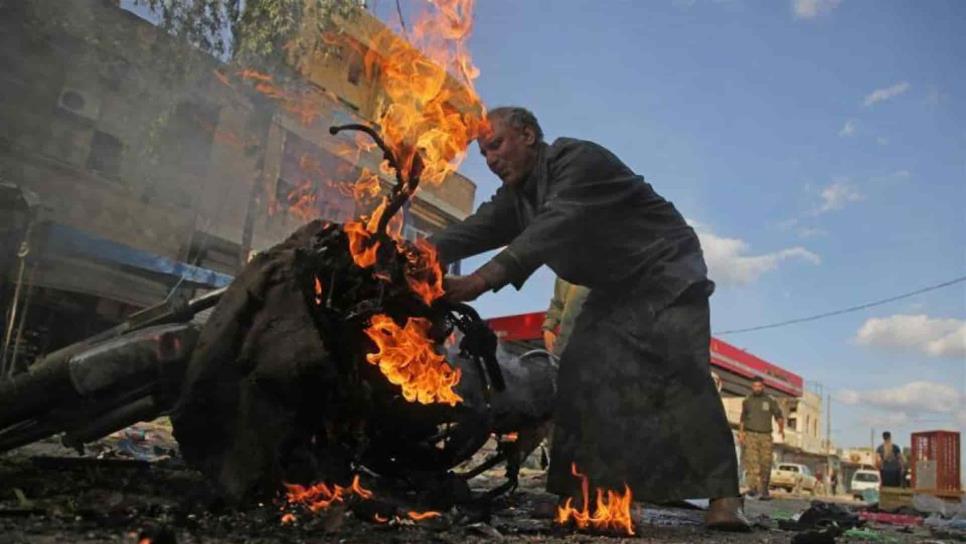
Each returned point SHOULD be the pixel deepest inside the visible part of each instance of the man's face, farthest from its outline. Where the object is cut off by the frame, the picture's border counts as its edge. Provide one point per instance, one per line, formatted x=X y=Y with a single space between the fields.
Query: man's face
x=510 y=152
x=757 y=388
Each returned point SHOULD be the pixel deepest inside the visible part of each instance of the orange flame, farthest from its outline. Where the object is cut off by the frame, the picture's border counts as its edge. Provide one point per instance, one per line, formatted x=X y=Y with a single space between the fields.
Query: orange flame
x=425 y=275
x=320 y=496
x=420 y=516
x=318 y=292
x=427 y=81
x=221 y=78
x=302 y=201
x=433 y=107
x=287 y=518
x=610 y=514
x=308 y=105
x=363 y=252
x=367 y=186
x=406 y=358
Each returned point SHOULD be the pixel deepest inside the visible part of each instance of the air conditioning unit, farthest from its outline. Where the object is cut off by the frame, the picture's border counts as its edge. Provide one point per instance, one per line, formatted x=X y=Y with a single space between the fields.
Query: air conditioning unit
x=79 y=103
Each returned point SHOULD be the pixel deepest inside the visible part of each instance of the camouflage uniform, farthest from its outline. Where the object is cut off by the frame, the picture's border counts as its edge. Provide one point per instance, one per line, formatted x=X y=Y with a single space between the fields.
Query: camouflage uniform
x=756 y=458
x=757 y=412
x=565 y=306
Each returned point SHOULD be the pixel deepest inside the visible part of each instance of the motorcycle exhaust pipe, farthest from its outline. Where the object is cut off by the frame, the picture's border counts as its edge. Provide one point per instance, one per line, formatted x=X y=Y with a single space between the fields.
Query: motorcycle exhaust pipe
x=142 y=409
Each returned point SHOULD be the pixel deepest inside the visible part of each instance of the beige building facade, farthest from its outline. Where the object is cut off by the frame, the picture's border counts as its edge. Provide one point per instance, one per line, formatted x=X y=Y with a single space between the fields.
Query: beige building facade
x=144 y=185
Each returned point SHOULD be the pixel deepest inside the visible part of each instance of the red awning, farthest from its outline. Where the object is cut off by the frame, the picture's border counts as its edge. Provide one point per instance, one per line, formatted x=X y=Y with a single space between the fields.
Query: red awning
x=527 y=327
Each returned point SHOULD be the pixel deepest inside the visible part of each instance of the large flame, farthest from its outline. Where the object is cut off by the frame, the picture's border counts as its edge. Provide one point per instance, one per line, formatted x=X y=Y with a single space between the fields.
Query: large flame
x=612 y=510
x=406 y=357
x=431 y=110
x=433 y=106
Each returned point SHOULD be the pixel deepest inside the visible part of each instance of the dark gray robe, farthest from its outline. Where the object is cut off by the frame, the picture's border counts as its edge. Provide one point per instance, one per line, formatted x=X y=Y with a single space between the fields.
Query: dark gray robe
x=636 y=401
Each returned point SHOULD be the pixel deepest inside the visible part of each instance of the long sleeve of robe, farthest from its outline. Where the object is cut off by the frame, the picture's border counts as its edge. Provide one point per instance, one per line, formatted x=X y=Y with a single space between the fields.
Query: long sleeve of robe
x=594 y=222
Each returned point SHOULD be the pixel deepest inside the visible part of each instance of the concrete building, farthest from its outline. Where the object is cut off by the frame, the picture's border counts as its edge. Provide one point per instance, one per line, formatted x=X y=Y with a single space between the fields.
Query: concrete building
x=148 y=183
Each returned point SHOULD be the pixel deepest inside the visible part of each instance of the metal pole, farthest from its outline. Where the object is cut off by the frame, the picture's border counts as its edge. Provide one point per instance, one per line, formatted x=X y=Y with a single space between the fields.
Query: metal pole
x=23 y=319
x=828 y=438
x=12 y=316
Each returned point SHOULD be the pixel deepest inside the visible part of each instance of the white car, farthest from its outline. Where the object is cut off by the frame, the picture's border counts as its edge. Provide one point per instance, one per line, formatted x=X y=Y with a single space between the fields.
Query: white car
x=793 y=477
x=863 y=480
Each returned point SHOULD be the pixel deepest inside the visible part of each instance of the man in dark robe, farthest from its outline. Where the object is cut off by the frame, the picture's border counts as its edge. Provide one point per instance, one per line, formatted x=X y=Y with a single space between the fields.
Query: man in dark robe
x=636 y=403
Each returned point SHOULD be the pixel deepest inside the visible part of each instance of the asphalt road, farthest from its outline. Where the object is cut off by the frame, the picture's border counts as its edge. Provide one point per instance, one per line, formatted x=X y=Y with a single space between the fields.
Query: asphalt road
x=51 y=494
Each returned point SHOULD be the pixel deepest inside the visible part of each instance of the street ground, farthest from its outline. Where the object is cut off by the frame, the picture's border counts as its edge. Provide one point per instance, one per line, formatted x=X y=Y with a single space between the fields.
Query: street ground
x=51 y=494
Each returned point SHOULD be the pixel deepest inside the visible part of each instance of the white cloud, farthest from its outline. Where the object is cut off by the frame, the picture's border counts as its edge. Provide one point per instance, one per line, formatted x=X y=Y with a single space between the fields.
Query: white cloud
x=811 y=232
x=882 y=140
x=912 y=398
x=730 y=264
x=934 y=337
x=837 y=195
x=848 y=128
x=886 y=93
x=887 y=420
x=809 y=9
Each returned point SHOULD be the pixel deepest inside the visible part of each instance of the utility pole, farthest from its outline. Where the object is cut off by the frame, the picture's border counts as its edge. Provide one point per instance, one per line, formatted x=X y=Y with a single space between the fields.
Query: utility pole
x=828 y=439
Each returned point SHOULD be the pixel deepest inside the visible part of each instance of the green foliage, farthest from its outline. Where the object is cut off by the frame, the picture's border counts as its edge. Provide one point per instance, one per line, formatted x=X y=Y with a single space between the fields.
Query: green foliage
x=260 y=34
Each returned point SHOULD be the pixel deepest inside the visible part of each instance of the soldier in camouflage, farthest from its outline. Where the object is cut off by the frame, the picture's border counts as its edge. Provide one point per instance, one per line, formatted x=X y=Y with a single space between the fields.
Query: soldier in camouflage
x=757 y=411
x=564 y=308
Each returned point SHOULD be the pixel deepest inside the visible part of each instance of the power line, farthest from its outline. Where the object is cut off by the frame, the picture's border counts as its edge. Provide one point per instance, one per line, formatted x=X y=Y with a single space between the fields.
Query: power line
x=402 y=22
x=846 y=310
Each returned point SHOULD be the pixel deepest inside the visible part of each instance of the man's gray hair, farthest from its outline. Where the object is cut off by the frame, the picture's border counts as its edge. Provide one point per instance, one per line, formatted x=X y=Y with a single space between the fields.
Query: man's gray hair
x=517 y=117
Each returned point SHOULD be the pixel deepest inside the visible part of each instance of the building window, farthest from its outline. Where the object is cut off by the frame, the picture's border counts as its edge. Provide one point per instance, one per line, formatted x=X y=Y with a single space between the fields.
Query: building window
x=352 y=57
x=355 y=71
x=189 y=135
x=105 y=154
x=312 y=176
x=212 y=252
x=411 y=233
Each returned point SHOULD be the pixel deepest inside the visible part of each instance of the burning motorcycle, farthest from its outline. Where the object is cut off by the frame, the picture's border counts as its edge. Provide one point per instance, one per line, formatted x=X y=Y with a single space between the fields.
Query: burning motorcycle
x=330 y=354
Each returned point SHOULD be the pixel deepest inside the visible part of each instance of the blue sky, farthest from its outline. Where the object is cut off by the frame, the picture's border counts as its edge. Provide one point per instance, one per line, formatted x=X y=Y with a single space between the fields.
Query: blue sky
x=819 y=147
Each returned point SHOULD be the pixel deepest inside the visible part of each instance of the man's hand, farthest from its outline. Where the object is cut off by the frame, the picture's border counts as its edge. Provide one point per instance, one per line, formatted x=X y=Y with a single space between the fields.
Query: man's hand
x=741 y=438
x=464 y=288
x=549 y=339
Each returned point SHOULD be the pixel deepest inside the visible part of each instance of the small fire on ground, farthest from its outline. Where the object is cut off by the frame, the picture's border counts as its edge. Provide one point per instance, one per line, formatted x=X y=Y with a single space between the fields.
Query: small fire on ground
x=321 y=496
x=612 y=510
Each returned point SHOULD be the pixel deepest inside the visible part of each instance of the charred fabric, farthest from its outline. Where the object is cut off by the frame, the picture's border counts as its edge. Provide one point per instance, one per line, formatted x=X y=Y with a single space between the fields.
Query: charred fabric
x=312 y=367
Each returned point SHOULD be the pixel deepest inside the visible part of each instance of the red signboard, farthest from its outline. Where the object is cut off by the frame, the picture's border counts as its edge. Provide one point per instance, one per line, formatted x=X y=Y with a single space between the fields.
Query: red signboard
x=726 y=356
x=527 y=327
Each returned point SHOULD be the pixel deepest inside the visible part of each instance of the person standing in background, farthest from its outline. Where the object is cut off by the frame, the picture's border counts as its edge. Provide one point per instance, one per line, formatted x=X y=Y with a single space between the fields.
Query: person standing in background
x=565 y=305
x=889 y=462
x=757 y=411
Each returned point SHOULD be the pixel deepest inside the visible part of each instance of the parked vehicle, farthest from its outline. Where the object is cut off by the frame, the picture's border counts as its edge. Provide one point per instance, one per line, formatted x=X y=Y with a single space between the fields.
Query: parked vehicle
x=864 y=480
x=793 y=477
